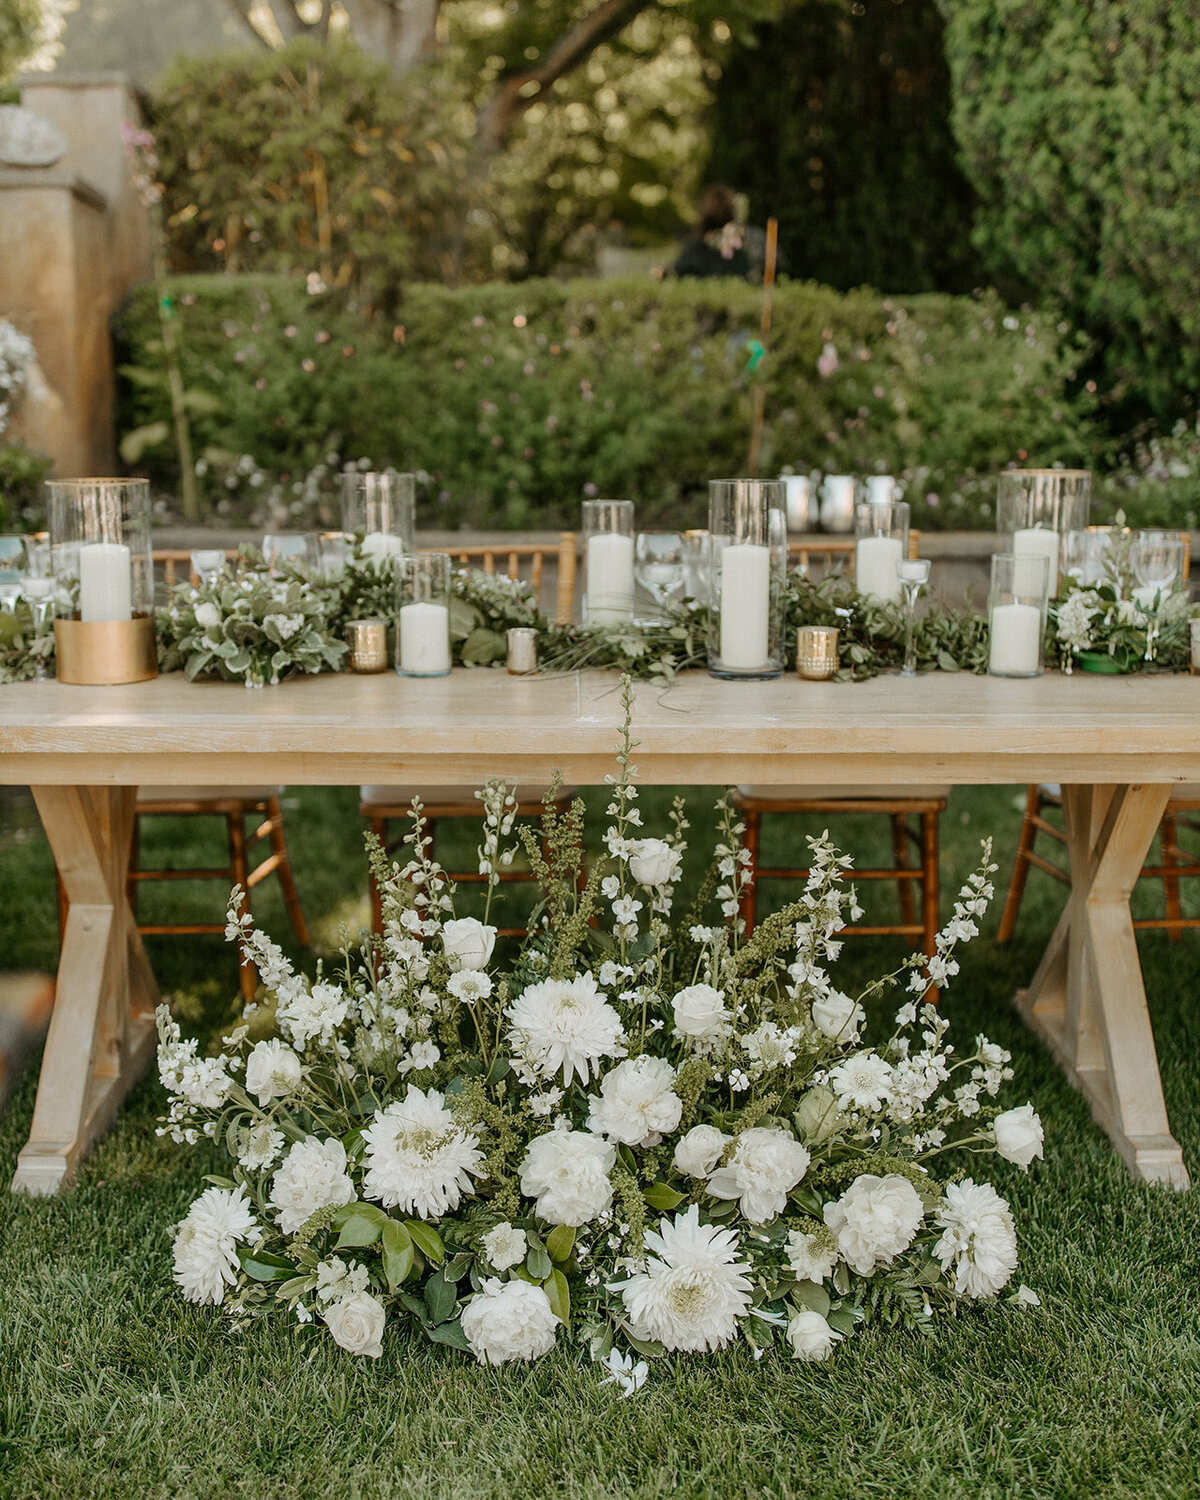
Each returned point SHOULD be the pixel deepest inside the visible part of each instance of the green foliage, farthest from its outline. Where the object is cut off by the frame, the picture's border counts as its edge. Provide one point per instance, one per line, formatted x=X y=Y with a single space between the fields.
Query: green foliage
x=20 y=32
x=21 y=475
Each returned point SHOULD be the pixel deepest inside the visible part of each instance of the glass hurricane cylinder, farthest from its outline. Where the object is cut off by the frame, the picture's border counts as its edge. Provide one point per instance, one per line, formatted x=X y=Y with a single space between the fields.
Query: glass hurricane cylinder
x=1036 y=508
x=1017 y=614
x=607 y=562
x=423 y=614
x=380 y=510
x=747 y=573
x=881 y=541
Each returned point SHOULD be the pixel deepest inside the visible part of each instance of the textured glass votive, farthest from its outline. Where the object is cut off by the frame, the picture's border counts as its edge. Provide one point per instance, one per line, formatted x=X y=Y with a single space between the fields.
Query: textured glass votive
x=423 y=620
x=816 y=652
x=522 y=650
x=747 y=576
x=367 y=640
x=1017 y=614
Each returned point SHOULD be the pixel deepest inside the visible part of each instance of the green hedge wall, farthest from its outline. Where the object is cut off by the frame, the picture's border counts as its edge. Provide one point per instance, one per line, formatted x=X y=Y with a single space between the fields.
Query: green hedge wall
x=516 y=401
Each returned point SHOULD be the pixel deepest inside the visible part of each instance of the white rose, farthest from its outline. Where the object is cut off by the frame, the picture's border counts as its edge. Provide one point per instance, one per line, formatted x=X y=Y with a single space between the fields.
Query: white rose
x=699 y=1151
x=1019 y=1135
x=700 y=1012
x=208 y=616
x=567 y=1172
x=838 y=1017
x=809 y=1257
x=273 y=1071
x=505 y=1246
x=875 y=1219
x=509 y=1320
x=767 y=1163
x=468 y=943
x=357 y=1324
x=653 y=862
x=811 y=1336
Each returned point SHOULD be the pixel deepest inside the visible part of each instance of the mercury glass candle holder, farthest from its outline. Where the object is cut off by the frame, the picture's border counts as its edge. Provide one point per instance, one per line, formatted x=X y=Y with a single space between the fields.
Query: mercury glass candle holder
x=1036 y=508
x=816 y=652
x=380 y=510
x=747 y=577
x=1017 y=614
x=522 y=643
x=367 y=640
x=881 y=541
x=607 y=562
x=423 y=614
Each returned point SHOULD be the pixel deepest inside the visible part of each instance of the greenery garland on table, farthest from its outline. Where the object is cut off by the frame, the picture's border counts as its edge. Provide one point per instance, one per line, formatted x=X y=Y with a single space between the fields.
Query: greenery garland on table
x=21 y=648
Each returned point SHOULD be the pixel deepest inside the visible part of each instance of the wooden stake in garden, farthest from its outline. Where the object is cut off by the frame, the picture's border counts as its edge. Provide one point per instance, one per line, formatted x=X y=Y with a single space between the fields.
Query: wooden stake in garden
x=764 y=334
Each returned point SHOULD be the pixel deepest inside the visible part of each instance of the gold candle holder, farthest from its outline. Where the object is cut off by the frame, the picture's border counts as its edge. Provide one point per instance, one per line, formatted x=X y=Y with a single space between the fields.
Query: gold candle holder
x=522 y=651
x=368 y=645
x=102 y=653
x=816 y=652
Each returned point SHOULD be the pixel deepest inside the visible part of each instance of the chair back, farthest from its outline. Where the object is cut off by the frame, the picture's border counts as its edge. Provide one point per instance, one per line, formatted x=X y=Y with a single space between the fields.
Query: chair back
x=527 y=560
x=829 y=552
x=172 y=565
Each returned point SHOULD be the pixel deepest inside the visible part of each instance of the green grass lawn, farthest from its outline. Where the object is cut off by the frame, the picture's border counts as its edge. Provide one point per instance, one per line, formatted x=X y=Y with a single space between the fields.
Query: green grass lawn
x=110 y=1385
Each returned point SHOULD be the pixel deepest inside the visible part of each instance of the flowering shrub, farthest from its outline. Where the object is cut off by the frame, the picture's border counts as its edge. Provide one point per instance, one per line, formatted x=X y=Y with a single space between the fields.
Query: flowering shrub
x=647 y=1135
x=16 y=356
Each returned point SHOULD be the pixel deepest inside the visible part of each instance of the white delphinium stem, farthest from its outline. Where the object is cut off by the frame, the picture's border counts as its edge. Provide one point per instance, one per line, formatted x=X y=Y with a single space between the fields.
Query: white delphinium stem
x=733 y=865
x=499 y=814
x=616 y=838
x=970 y=904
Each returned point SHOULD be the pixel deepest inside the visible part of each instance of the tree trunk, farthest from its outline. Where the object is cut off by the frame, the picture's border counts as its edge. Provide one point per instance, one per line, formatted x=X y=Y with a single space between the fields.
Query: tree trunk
x=402 y=32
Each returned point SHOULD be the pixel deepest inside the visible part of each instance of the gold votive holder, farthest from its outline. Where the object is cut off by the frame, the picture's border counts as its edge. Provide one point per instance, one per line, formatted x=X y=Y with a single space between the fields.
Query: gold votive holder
x=367 y=640
x=103 y=653
x=816 y=652
x=522 y=650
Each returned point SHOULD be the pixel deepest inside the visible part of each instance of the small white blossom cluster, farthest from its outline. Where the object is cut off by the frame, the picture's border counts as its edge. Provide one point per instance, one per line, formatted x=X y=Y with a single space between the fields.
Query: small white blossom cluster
x=16 y=357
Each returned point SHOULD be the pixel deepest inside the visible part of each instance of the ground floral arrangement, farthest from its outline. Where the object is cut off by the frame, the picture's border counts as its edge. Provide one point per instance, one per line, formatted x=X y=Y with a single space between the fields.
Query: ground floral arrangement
x=646 y=1135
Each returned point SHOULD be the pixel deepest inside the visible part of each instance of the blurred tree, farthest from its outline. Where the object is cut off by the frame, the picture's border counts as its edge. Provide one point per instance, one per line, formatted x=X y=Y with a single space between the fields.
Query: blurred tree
x=29 y=33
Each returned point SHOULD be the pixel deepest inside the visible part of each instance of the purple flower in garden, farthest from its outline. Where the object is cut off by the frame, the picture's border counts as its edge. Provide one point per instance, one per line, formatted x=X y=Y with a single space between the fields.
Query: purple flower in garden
x=290 y=331
x=590 y=490
x=827 y=361
x=933 y=501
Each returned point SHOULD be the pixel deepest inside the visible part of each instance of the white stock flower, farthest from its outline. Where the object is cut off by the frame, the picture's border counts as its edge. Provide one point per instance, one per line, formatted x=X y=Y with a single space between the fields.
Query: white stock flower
x=700 y=1013
x=509 y=1320
x=356 y=1324
x=566 y=1171
x=766 y=1164
x=1019 y=1135
x=468 y=943
x=206 y=1243
x=875 y=1220
x=838 y=1017
x=273 y=1071
x=337 y=1281
x=305 y=1014
x=978 y=1236
x=565 y=1025
x=418 y=1157
x=698 y=1152
x=505 y=1246
x=809 y=1254
x=810 y=1335
x=313 y=1176
x=635 y=1104
x=694 y=1288
x=863 y=1081
x=653 y=862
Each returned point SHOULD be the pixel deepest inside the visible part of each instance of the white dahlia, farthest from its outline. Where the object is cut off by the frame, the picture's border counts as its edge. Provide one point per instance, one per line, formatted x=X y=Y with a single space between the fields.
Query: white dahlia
x=566 y=1171
x=864 y=1081
x=875 y=1220
x=766 y=1164
x=509 y=1320
x=313 y=1175
x=565 y=1025
x=694 y=1288
x=419 y=1158
x=206 y=1243
x=978 y=1236
x=699 y=1151
x=635 y=1104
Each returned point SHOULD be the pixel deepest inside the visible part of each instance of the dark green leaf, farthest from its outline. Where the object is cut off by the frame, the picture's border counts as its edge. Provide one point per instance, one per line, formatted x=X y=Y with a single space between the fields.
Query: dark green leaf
x=428 y=1241
x=261 y=1265
x=440 y=1297
x=659 y=1195
x=560 y=1242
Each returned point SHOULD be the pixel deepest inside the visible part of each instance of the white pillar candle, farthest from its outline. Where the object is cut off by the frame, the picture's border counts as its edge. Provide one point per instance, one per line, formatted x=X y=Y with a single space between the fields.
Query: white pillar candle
x=1039 y=541
x=104 y=582
x=379 y=544
x=1015 y=649
x=609 y=578
x=745 y=606
x=425 y=639
x=875 y=559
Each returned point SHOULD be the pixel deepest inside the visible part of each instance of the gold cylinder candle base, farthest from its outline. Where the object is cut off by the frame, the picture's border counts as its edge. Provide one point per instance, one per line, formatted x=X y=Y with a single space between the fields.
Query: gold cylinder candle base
x=102 y=653
x=816 y=652
x=367 y=640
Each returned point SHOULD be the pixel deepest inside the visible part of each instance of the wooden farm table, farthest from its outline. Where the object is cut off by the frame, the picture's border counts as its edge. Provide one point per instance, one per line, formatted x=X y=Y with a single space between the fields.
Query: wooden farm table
x=1115 y=745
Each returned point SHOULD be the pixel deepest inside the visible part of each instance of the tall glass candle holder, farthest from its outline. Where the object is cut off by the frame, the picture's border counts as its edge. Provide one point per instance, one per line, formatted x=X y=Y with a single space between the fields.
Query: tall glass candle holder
x=879 y=489
x=1036 y=508
x=1017 y=614
x=101 y=553
x=423 y=614
x=746 y=523
x=380 y=510
x=607 y=561
x=881 y=541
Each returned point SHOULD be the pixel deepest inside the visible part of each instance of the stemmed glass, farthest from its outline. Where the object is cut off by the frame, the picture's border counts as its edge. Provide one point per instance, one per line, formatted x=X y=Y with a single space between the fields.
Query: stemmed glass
x=1157 y=564
x=38 y=593
x=207 y=563
x=913 y=573
x=658 y=564
x=295 y=547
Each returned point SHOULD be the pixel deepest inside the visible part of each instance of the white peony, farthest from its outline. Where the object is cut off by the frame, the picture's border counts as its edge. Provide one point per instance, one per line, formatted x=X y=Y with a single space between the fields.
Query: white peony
x=205 y=1248
x=509 y=1320
x=653 y=862
x=357 y=1324
x=636 y=1105
x=208 y=616
x=838 y=1017
x=700 y=1149
x=1019 y=1135
x=313 y=1175
x=810 y=1335
x=567 y=1172
x=978 y=1236
x=565 y=1025
x=766 y=1164
x=418 y=1157
x=809 y=1255
x=700 y=1013
x=505 y=1247
x=694 y=1288
x=864 y=1081
x=468 y=943
x=875 y=1220
x=273 y=1071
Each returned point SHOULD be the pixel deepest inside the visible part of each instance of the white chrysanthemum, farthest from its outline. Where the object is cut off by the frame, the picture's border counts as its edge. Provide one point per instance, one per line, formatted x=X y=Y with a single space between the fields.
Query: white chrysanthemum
x=863 y=1081
x=875 y=1220
x=567 y=1172
x=313 y=1176
x=810 y=1335
x=565 y=1025
x=766 y=1164
x=509 y=1320
x=419 y=1158
x=206 y=1242
x=810 y=1254
x=505 y=1246
x=699 y=1151
x=978 y=1236
x=694 y=1288
x=305 y=1014
x=273 y=1071
x=838 y=1017
x=635 y=1104
x=700 y=1013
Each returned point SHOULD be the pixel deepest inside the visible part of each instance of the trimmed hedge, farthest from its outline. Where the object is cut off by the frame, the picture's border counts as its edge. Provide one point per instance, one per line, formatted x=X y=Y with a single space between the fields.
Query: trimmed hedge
x=519 y=400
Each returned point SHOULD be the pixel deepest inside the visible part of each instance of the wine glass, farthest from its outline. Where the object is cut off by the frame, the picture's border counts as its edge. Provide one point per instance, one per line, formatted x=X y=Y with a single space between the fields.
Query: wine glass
x=658 y=565
x=38 y=593
x=1157 y=562
x=207 y=563
x=913 y=573
x=282 y=547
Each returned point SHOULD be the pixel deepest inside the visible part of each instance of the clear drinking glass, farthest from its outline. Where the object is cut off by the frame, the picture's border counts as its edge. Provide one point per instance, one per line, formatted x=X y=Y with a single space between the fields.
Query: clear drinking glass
x=1157 y=561
x=333 y=550
x=1035 y=510
x=913 y=573
x=695 y=564
x=381 y=510
x=746 y=526
x=100 y=548
x=881 y=541
x=280 y=547
x=1017 y=608
x=658 y=565
x=607 y=561
x=423 y=617
x=12 y=558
